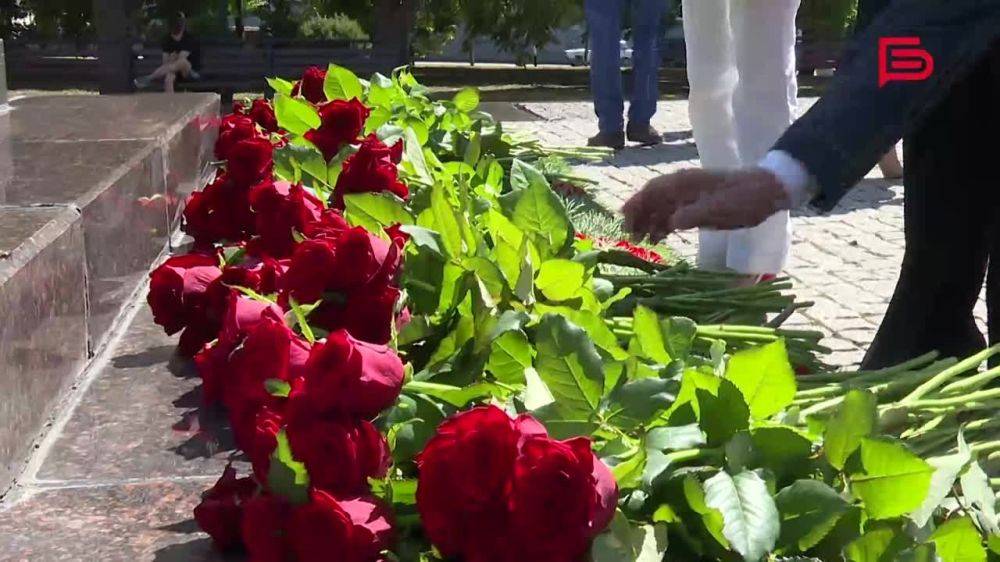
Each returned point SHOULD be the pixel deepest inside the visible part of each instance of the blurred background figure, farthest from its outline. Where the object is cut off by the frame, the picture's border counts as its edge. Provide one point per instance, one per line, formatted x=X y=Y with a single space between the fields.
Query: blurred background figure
x=741 y=68
x=181 y=57
x=604 y=23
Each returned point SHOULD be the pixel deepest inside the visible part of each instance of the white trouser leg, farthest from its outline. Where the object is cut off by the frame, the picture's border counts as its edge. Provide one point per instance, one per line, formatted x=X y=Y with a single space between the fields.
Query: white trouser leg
x=711 y=69
x=763 y=107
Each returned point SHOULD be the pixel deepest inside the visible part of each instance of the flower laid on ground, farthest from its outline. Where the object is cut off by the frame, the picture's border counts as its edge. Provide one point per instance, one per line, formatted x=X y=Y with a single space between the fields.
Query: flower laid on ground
x=496 y=488
x=640 y=252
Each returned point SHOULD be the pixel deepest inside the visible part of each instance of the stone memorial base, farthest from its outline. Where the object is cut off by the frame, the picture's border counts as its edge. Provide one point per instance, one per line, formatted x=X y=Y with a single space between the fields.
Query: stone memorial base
x=90 y=190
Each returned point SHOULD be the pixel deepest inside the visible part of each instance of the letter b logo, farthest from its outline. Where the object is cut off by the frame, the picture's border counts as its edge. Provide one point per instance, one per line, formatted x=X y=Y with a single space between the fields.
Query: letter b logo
x=902 y=59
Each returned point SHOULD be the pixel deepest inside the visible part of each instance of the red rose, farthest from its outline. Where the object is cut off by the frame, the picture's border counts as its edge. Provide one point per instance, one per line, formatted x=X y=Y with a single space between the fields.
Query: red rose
x=265 y=529
x=281 y=209
x=219 y=212
x=357 y=266
x=233 y=128
x=184 y=294
x=561 y=497
x=495 y=488
x=311 y=85
x=341 y=122
x=371 y=169
x=324 y=528
x=348 y=376
x=221 y=363
x=220 y=512
x=256 y=433
x=270 y=350
x=340 y=454
x=353 y=530
x=250 y=161
x=331 y=224
x=260 y=274
x=262 y=113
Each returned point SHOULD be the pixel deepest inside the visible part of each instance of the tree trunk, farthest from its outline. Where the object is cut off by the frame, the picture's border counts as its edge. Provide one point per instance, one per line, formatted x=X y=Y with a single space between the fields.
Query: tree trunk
x=393 y=28
x=113 y=50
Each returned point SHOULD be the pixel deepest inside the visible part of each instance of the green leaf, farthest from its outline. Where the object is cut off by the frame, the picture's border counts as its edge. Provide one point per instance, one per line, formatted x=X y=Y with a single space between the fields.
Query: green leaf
x=509 y=357
x=523 y=176
x=277 y=387
x=454 y=395
x=782 y=450
x=467 y=99
x=893 y=482
x=723 y=413
x=281 y=86
x=286 y=476
x=445 y=221
x=765 y=377
x=946 y=471
x=855 y=419
x=294 y=115
x=749 y=514
x=539 y=212
x=648 y=334
x=711 y=518
x=642 y=399
x=881 y=544
x=675 y=438
x=374 y=211
x=679 y=333
x=425 y=238
x=958 y=540
x=341 y=84
x=570 y=366
x=624 y=541
x=809 y=510
x=414 y=160
x=300 y=312
x=628 y=474
x=560 y=280
x=976 y=490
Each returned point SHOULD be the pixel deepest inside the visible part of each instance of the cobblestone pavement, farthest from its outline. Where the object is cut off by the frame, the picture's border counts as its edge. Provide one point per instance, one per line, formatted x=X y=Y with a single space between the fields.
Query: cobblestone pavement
x=846 y=261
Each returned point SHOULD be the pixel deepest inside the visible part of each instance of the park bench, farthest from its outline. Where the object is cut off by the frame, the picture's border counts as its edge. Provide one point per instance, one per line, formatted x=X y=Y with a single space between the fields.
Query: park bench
x=228 y=66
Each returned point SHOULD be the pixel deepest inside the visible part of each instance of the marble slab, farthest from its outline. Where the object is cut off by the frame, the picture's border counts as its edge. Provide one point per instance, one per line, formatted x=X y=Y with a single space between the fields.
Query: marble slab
x=43 y=336
x=141 y=419
x=127 y=523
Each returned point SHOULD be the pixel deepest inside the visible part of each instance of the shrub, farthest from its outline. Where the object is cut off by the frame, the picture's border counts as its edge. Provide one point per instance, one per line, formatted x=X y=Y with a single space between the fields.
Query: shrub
x=337 y=26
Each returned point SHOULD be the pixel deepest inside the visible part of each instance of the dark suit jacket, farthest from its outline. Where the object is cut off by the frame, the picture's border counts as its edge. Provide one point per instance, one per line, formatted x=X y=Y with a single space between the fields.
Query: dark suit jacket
x=841 y=137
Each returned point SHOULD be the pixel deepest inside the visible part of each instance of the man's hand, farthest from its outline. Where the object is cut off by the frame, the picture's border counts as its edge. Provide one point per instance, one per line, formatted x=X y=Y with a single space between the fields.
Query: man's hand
x=704 y=198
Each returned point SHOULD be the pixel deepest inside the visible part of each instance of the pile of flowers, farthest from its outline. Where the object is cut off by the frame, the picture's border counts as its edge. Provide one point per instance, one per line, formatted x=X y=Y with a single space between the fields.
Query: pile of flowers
x=290 y=313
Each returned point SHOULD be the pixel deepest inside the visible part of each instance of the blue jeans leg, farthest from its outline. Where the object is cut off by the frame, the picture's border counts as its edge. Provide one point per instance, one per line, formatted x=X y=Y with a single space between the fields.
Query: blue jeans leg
x=604 y=21
x=647 y=16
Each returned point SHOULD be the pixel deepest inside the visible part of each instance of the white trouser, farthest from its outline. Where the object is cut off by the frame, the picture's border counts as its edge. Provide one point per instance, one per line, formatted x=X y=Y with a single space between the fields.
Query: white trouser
x=741 y=67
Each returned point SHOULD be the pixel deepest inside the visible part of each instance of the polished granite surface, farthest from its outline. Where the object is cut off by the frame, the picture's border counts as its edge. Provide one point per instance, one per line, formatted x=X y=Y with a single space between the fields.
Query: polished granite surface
x=43 y=336
x=90 y=188
x=120 y=481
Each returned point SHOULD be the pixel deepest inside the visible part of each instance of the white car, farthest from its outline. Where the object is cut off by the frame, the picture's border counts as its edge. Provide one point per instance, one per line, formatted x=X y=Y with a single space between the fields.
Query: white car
x=581 y=56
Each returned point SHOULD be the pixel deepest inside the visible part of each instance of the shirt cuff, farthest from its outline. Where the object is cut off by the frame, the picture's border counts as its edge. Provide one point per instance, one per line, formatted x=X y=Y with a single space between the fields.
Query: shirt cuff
x=793 y=175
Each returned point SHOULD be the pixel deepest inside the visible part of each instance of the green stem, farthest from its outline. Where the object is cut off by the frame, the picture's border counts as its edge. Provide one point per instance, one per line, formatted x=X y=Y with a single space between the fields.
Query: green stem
x=944 y=376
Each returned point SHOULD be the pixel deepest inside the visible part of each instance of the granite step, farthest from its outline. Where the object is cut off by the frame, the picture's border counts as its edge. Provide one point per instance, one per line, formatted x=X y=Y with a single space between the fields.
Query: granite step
x=90 y=190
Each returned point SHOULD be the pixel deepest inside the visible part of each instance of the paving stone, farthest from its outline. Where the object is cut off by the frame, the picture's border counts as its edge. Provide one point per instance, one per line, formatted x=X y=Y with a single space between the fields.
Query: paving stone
x=858 y=244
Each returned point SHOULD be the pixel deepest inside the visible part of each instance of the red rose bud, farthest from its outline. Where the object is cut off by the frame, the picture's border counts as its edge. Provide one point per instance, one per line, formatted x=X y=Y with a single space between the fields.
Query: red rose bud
x=262 y=113
x=341 y=122
x=495 y=488
x=340 y=454
x=184 y=294
x=256 y=433
x=371 y=169
x=219 y=212
x=281 y=209
x=354 y=529
x=220 y=513
x=233 y=128
x=311 y=85
x=331 y=224
x=348 y=376
x=250 y=161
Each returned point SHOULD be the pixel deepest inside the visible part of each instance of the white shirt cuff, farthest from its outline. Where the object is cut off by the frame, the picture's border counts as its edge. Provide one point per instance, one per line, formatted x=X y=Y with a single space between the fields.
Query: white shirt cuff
x=792 y=174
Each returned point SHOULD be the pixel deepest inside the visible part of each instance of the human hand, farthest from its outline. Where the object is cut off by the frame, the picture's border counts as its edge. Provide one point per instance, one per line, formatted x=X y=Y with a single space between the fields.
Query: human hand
x=704 y=198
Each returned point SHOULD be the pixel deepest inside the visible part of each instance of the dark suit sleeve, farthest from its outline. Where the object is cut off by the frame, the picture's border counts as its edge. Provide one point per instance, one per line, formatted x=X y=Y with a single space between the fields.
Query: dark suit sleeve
x=845 y=133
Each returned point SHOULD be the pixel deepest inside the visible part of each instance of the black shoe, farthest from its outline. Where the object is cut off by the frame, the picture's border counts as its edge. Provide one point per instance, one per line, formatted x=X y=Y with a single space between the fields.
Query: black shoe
x=610 y=140
x=643 y=134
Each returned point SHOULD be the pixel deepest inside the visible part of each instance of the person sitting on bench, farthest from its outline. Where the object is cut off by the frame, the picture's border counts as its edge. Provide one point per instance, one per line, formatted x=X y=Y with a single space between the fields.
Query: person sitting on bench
x=181 y=57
